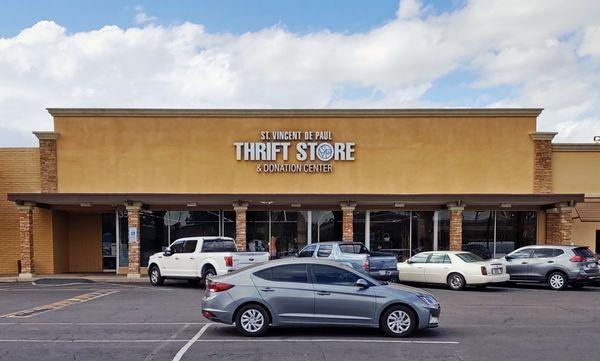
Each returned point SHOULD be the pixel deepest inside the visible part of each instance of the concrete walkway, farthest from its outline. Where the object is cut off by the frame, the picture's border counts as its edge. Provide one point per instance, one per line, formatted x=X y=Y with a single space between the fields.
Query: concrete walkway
x=77 y=277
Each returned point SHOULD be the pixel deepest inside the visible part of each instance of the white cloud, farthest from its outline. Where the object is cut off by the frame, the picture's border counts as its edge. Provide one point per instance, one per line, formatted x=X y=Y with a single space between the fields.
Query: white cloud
x=141 y=17
x=547 y=52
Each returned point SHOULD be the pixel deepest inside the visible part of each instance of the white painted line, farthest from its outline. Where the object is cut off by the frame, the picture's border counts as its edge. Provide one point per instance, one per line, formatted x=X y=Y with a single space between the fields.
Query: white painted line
x=185 y=347
x=103 y=323
x=195 y=339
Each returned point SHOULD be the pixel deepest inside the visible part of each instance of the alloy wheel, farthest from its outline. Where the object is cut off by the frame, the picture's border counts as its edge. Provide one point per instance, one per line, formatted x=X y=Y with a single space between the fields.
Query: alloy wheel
x=252 y=320
x=154 y=276
x=398 y=321
x=557 y=281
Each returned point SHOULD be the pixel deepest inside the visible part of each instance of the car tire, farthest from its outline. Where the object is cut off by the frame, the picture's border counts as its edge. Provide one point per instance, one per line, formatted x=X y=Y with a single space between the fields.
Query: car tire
x=155 y=277
x=252 y=320
x=208 y=271
x=456 y=281
x=557 y=281
x=399 y=321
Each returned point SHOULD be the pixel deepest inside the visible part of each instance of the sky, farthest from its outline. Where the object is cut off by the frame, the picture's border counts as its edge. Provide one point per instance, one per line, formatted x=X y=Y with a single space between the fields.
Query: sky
x=300 y=54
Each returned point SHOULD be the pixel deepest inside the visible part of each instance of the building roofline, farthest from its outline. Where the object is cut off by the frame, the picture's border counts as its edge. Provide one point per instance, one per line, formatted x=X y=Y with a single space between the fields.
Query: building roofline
x=576 y=147
x=303 y=113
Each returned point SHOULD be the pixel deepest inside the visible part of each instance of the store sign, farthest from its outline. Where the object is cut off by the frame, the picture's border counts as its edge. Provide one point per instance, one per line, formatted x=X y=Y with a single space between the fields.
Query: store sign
x=295 y=152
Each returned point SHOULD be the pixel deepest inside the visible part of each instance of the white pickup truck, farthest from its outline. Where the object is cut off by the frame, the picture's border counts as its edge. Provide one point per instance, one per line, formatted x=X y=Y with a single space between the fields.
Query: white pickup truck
x=196 y=258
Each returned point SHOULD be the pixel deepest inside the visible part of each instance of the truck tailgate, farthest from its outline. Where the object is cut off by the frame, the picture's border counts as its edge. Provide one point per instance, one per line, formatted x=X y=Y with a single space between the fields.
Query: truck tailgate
x=382 y=263
x=243 y=259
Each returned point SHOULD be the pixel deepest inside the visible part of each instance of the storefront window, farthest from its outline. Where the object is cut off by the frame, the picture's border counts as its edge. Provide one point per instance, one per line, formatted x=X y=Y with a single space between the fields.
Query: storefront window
x=109 y=243
x=123 y=239
x=443 y=234
x=193 y=224
x=153 y=234
x=478 y=233
x=422 y=231
x=228 y=219
x=515 y=230
x=257 y=231
x=288 y=231
x=326 y=226
x=390 y=230
x=359 y=226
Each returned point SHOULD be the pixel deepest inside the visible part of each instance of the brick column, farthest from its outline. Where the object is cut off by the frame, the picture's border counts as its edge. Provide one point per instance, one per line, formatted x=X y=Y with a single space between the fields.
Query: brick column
x=240 y=225
x=559 y=225
x=26 y=239
x=348 y=222
x=133 y=234
x=48 y=164
x=456 y=227
x=542 y=161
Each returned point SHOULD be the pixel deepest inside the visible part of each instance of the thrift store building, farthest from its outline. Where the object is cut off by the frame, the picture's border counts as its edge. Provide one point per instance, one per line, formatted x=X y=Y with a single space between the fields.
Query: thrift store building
x=106 y=188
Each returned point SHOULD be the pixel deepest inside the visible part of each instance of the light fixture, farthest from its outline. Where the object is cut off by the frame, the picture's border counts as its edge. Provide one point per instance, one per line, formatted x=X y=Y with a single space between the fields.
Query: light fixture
x=266 y=202
x=296 y=205
x=399 y=205
x=192 y=204
x=85 y=204
x=505 y=205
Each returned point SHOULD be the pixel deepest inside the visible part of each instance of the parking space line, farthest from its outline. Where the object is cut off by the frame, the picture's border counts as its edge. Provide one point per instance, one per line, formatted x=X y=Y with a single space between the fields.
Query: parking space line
x=335 y=340
x=104 y=323
x=34 y=311
x=185 y=347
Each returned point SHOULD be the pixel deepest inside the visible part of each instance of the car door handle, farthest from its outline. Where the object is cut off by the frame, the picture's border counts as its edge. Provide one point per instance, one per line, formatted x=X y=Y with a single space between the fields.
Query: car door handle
x=176 y=258
x=268 y=289
x=550 y=262
x=323 y=293
x=191 y=257
x=523 y=262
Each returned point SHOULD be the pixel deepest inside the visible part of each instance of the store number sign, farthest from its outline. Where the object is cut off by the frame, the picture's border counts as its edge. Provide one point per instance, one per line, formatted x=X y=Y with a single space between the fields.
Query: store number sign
x=293 y=151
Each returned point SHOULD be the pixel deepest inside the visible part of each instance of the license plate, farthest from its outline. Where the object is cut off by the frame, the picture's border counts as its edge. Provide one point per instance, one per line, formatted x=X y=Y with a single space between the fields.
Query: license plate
x=383 y=273
x=497 y=271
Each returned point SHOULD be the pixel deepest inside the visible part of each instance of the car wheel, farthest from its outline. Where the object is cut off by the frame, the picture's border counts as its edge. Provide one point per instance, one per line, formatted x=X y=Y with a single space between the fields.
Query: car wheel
x=252 y=320
x=155 y=278
x=399 y=321
x=456 y=282
x=208 y=272
x=557 y=281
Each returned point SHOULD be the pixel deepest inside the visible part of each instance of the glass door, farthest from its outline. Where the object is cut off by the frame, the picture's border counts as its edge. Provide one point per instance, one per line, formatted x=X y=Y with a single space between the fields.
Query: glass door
x=109 y=243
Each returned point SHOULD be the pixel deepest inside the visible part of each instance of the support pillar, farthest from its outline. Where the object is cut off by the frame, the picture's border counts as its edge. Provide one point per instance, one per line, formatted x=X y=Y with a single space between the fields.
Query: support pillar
x=240 y=225
x=48 y=164
x=347 y=222
x=559 y=225
x=26 y=240
x=133 y=232
x=456 y=219
x=542 y=161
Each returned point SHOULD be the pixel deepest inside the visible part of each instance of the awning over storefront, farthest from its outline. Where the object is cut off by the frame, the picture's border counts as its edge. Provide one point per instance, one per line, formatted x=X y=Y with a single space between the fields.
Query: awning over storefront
x=57 y=200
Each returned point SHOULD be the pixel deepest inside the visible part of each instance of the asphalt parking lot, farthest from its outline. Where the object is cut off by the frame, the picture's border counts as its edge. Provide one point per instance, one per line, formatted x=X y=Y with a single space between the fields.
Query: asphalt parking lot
x=74 y=320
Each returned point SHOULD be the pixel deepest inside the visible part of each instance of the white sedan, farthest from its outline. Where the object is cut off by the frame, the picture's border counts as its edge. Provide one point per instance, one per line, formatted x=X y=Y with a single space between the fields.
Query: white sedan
x=454 y=268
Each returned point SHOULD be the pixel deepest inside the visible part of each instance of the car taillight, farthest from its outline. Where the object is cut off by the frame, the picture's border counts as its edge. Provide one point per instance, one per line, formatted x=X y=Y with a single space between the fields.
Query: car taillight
x=208 y=314
x=483 y=270
x=577 y=259
x=365 y=265
x=228 y=261
x=219 y=286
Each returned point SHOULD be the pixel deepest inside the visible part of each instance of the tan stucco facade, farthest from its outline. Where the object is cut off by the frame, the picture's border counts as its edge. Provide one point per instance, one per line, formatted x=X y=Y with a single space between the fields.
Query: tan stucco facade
x=393 y=155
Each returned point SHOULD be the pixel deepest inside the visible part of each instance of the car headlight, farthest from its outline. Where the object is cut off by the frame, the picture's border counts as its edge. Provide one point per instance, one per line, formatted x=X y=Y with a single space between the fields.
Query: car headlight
x=429 y=301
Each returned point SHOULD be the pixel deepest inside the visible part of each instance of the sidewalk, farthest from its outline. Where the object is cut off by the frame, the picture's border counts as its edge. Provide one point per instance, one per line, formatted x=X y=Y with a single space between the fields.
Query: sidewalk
x=91 y=277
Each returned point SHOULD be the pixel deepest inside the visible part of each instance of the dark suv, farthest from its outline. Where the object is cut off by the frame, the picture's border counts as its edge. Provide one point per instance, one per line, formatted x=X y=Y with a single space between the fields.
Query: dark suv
x=556 y=265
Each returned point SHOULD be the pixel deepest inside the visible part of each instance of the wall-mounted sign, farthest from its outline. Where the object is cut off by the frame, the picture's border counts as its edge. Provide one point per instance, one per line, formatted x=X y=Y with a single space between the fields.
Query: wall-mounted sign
x=292 y=151
x=133 y=233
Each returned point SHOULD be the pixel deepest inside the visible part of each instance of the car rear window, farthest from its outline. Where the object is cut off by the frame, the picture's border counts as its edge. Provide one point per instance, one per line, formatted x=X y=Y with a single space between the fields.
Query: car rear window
x=324 y=251
x=218 y=245
x=583 y=252
x=469 y=257
x=355 y=248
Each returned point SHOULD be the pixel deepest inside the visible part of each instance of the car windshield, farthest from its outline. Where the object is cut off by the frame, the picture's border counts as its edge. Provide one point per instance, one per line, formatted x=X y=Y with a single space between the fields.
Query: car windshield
x=469 y=257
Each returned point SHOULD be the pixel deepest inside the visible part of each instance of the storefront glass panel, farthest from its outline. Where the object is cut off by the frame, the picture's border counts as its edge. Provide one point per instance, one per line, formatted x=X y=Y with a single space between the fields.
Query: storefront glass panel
x=326 y=226
x=422 y=231
x=359 y=226
x=443 y=233
x=257 y=231
x=193 y=224
x=123 y=239
x=515 y=230
x=228 y=222
x=390 y=230
x=153 y=234
x=109 y=242
x=478 y=233
x=288 y=232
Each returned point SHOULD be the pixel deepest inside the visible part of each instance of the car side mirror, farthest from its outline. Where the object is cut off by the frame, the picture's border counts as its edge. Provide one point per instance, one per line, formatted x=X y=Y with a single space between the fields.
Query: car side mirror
x=408 y=261
x=167 y=252
x=296 y=254
x=361 y=283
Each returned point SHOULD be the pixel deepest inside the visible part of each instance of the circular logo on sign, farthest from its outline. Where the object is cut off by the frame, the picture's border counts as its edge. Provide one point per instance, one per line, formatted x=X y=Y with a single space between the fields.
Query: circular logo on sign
x=325 y=152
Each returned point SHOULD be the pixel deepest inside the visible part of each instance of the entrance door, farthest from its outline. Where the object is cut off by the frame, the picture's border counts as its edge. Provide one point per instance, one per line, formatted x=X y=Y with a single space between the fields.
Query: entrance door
x=109 y=243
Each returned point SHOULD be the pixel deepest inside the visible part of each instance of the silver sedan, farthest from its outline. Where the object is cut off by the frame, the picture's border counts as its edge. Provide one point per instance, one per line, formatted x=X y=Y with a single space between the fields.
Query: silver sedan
x=315 y=292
